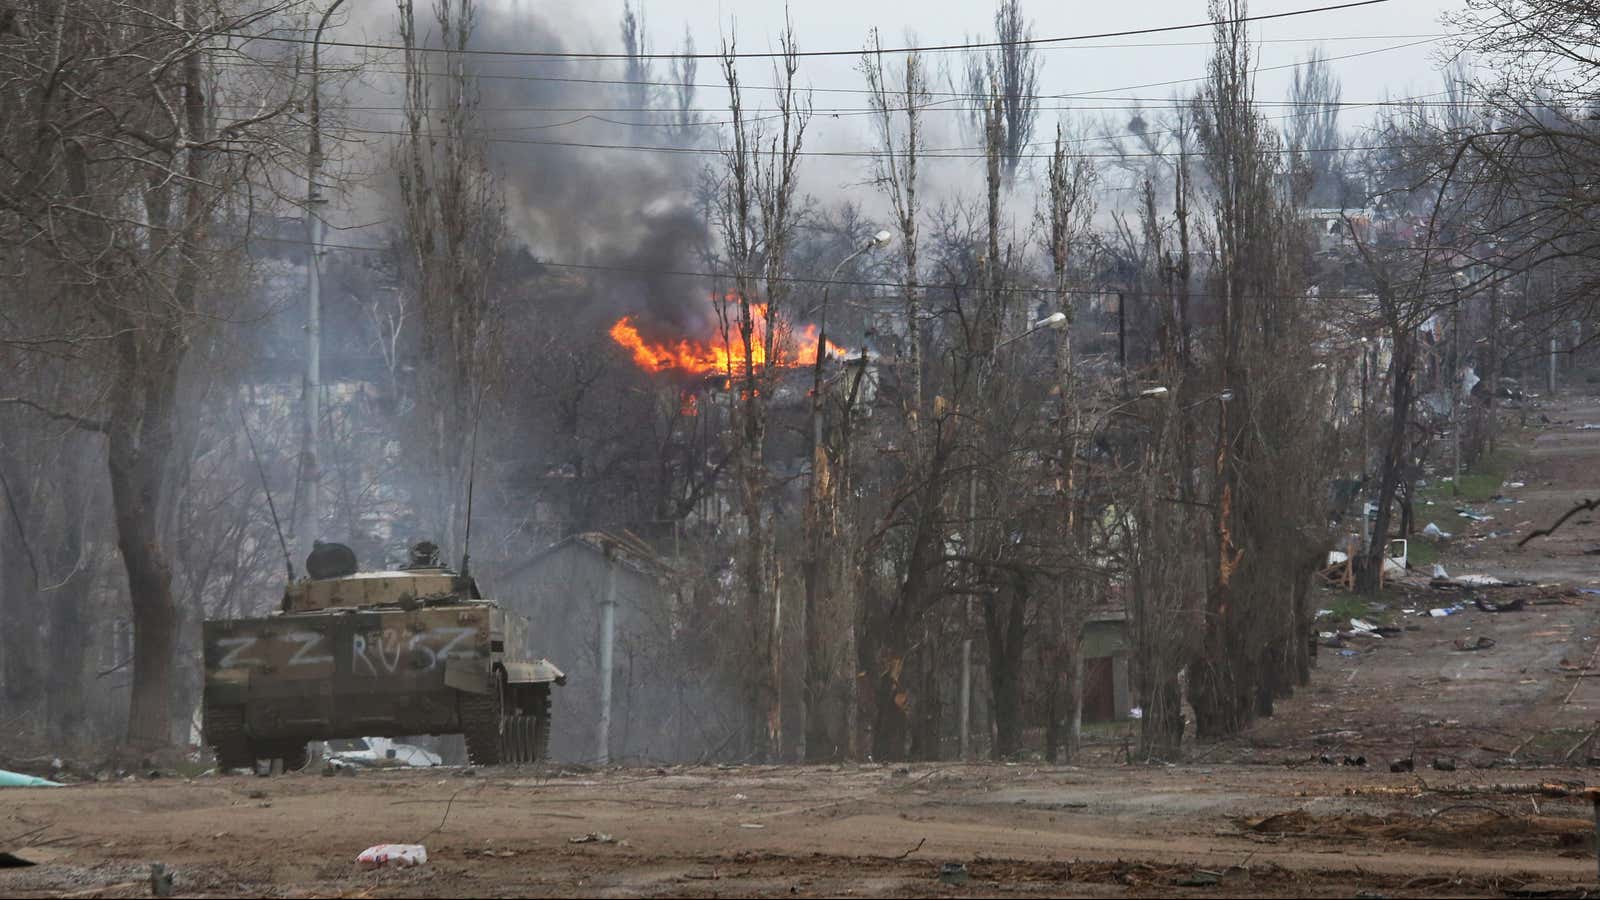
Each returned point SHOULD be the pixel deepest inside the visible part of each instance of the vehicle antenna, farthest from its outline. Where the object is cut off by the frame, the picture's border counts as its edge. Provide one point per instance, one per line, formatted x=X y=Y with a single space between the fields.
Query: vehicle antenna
x=288 y=561
x=472 y=471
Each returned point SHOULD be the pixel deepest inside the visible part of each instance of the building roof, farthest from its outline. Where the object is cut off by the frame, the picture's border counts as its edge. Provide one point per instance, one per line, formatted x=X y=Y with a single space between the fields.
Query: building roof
x=625 y=548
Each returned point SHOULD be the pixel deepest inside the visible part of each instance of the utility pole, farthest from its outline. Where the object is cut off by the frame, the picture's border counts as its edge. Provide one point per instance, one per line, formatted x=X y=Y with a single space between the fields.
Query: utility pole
x=608 y=631
x=310 y=401
x=1455 y=394
x=1551 y=375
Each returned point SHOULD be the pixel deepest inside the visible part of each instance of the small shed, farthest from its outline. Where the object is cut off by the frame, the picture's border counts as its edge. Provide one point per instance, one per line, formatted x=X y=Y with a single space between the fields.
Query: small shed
x=1107 y=682
x=577 y=592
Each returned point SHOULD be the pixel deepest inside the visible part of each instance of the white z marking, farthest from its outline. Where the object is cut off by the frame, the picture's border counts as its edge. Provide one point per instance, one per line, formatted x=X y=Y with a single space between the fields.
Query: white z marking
x=448 y=649
x=307 y=640
x=236 y=647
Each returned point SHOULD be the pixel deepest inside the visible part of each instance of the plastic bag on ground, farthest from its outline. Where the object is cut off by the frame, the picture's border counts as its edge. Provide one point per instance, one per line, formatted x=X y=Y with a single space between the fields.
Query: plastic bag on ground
x=1434 y=531
x=393 y=855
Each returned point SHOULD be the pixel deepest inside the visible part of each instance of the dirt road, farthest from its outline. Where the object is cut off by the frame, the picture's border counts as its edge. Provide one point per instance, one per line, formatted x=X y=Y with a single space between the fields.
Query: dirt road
x=1261 y=815
x=789 y=831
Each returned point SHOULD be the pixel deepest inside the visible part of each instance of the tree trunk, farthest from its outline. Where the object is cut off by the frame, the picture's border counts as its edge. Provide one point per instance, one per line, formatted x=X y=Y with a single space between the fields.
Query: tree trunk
x=22 y=639
x=1394 y=458
x=68 y=624
x=1302 y=637
x=135 y=484
x=1005 y=623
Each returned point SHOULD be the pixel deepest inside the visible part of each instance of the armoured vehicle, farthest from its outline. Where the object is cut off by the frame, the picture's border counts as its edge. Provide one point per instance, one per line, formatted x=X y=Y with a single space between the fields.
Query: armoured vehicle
x=352 y=654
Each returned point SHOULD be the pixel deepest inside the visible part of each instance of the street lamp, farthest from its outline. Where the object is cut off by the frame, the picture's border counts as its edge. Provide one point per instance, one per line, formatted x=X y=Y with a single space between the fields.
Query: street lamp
x=813 y=512
x=1056 y=321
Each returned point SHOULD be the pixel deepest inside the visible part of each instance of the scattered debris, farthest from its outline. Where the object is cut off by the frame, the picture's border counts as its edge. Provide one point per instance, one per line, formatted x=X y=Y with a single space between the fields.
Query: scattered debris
x=1408 y=764
x=1467 y=825
x=1482 y=643
x=954 y=873
x=160 y=881
x=1358 y=761
x=1235 y=876
x=1200 y=878
x=1472 y=515
x=393 y=855
x=1444 y=764
x=593 y=837
x=1493 y=607
x=1441 y=612
x=1435 y=532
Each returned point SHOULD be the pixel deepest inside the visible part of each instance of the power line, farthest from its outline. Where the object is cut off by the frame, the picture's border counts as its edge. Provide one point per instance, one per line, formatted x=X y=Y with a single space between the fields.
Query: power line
x=1098 y=94
x=932 y=48
x=936 y=153
x=786 y=279
x=1143 y=104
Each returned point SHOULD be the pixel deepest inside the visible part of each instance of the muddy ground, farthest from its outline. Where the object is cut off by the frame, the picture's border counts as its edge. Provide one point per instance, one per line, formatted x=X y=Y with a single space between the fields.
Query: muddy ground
x=1262 y=815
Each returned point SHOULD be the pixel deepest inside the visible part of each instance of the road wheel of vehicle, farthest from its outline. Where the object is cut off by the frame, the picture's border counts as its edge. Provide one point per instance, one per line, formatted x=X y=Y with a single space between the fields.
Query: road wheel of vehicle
x=524 y=738
x=518 y=750
x=508 y=740
x=480 y=725
x=224 y=729
x=540 y=745
x=295 y=755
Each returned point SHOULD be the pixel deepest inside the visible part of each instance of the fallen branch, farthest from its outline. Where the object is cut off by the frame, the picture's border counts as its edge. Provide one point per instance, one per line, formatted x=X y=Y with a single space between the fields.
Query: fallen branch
x=913 y=849
x=1586 y=739
x=1585 y=506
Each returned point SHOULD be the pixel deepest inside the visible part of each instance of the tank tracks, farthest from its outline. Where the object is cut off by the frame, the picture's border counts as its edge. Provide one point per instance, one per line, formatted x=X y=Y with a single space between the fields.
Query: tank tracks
x=224 y=729
x=504 y=734
x=224 y=732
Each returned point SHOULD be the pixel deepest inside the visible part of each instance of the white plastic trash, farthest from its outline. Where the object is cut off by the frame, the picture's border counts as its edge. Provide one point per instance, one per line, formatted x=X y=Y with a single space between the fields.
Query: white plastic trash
x=1438 y=571
x=1434 y=531
x=393 y=855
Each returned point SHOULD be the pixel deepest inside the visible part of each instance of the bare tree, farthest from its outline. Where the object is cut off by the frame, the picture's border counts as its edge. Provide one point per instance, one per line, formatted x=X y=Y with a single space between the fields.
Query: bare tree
x=637 y=71
x=757 y=215
x=128 y=162
x=1312 y=132
x=1067 y=218
x=453 y=227
x=1010 y=74
x=1236 y=671
x=683 y=67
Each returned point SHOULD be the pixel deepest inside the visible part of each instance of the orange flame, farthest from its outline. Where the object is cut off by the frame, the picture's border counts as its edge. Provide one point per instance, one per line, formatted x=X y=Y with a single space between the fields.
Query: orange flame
x=708 y=357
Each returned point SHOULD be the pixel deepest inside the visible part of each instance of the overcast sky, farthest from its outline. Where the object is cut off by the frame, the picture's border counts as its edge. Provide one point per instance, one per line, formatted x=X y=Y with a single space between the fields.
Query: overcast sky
x=1390 y=50
x=1108 y=66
